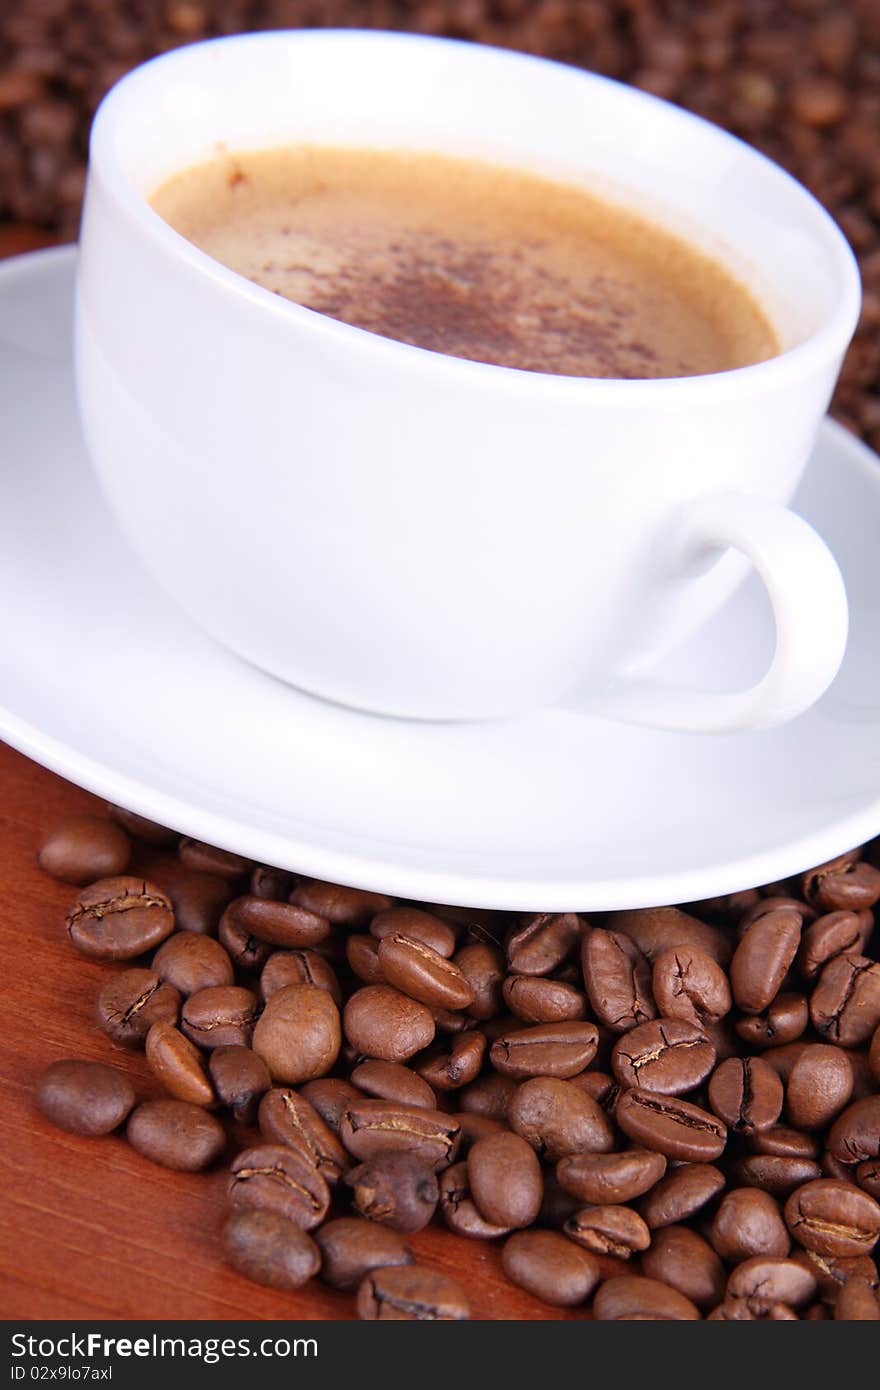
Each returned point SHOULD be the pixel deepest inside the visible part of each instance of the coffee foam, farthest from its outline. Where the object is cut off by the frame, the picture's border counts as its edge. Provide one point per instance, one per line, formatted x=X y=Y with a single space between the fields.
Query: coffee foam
x=470 y=259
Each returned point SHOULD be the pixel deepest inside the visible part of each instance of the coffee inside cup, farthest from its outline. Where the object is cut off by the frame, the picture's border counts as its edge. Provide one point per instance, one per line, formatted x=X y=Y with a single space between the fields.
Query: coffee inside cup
x=470 y=259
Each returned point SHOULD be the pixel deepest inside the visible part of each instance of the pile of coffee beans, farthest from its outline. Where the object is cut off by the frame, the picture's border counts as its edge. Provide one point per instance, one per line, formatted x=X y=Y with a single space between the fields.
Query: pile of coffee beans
x=671 y=1113
x=798 y=78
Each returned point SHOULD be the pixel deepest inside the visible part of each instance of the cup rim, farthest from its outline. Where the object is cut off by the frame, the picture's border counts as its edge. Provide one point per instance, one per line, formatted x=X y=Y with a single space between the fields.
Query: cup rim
x=828 y=340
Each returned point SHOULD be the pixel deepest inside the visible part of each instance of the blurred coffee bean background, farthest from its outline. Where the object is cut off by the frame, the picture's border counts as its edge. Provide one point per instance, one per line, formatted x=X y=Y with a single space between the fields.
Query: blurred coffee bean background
x=798 y=78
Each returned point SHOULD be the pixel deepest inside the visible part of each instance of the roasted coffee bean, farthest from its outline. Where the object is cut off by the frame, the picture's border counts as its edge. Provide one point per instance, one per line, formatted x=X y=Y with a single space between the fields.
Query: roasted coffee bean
x=610 y=1179
x=784 y=1141
x=857 y=1302
x=835 y=934
x=285 y=1117
x=267 y=882
x=411 y=1293
x=298 y=968
x=783 y=1022
x=147 y=830
x=483 y=967
x=684 y=1260
x=82 y=849
x=458 y=1209
x=863 y=1081
x=819 y=1086
x=764 y=1281
x=843 y=884
x=395 y=1189
x=681 y=1194
x=208 y=859
x=689 y=985
x=658 y=929
x=298 y=1034
x=493 y=1028
x=749 y=1222
x=547 y=1049
x=85 y=1097
x=810 y=881
x=783 y=1058
x=746 y=1093
x=671 y=1126
x=381 y=1022
x=537 y=999
x=190 y=962
x=132 y=1001
x=220 y=1016
x=394 y=1082
x=599 y=1086
x=268 y=1249
x=874 y=1055
x=731 y=1310
x=774 y=1173
x=845 y=1004
x=344 y=907
x=833 y=1168
x=275 y=1178
x=633 y=1298
x=369 y=1127
x=833 y=1218
x=488 y=1095
x=178 y=1064
x=504 y=1177
x=246 y=951
x=666 y=1056
x=617 y=979
x=447 y=1071
x=609 y=1230
x=832 y=1273
x=330 y=1096
x=416 y=925
x=569 y=973
x=445 y=1021
x=119 y=918
x=550 y=1267
x=772 y=903
x=474 y=1127
x=759 y=1310
x=867 y=1175
x=362 y=954
x=198 y=899
x=240 y=1078
x=539 y=943
x=176 y=1134
x=422 y=973
x=351 y=1247
x=558 y=1119
x=763 y=958
x=276 y=924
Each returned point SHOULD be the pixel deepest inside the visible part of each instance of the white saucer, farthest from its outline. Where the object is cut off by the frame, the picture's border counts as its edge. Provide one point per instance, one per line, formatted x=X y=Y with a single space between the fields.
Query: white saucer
x=103 y=680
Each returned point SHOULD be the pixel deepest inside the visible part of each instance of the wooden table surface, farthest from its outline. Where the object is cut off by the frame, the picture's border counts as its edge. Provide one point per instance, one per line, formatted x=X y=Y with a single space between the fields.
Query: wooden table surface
x=89 y=1228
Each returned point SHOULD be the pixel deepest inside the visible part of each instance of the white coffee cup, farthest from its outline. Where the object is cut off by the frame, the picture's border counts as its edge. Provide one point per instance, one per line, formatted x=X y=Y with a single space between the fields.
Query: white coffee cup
x=424 y=536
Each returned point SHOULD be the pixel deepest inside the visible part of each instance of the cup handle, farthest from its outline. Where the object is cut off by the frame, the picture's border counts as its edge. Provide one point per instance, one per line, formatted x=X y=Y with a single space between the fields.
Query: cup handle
x=807 y=594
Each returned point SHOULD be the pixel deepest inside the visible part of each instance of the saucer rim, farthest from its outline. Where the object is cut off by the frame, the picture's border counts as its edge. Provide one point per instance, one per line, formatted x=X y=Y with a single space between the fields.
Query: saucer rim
x=424 y=884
